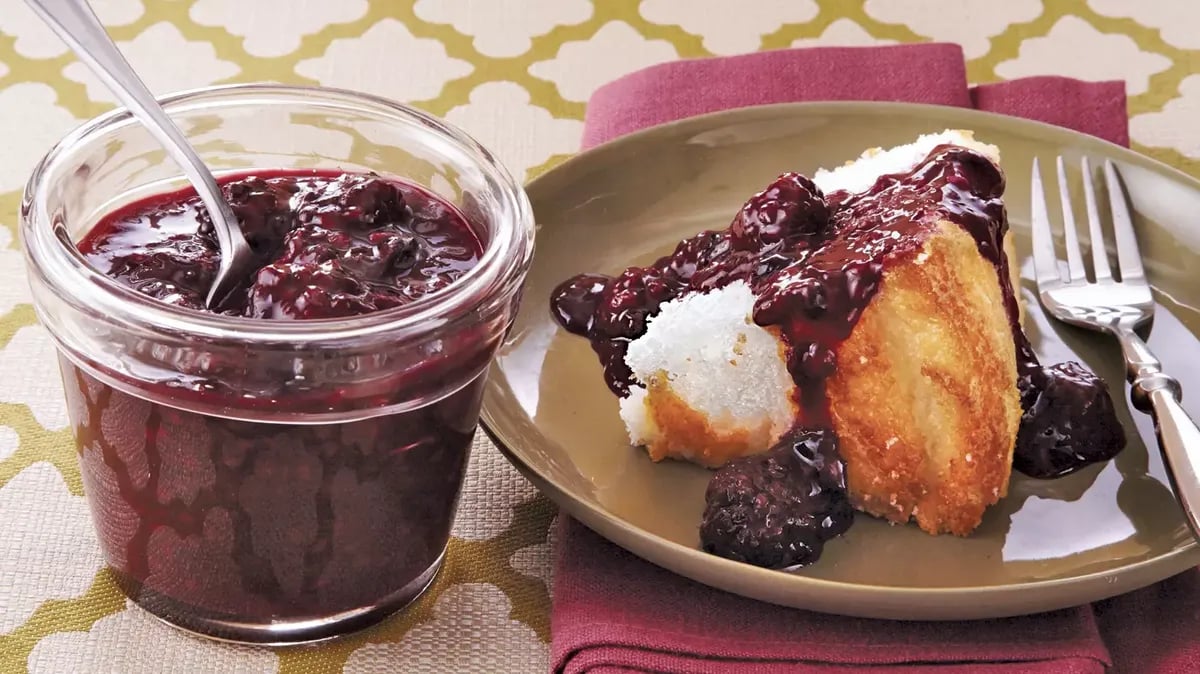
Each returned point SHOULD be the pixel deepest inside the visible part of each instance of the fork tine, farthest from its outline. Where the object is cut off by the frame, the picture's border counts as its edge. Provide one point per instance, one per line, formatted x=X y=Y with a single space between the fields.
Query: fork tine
x=1045 y=263
x=1099 y=252
x=1128 y=256
x=1074 y=253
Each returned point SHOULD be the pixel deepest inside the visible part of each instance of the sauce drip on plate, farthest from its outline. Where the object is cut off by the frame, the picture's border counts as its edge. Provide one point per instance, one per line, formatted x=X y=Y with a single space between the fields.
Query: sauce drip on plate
x=814 y=262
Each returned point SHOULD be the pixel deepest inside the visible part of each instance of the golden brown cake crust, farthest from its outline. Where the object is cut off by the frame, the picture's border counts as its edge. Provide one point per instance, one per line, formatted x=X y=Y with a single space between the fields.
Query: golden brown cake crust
x=690 y=435
x=924 y=399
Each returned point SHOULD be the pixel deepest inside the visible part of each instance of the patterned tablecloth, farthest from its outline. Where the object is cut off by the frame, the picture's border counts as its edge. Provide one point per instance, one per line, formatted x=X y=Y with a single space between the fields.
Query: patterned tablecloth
x=516 y=74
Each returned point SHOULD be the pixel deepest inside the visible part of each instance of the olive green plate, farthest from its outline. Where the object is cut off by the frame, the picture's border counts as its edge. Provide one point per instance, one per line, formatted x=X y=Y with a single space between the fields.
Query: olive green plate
x=1106 y=530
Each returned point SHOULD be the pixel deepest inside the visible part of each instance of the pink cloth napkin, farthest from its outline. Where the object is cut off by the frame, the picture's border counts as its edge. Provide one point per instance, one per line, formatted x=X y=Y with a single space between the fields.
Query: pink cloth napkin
x=923 y=73
x=613 y=612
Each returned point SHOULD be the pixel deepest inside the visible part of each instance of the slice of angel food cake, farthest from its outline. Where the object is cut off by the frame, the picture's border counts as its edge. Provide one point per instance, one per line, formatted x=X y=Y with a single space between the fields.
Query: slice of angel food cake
x=850 y=342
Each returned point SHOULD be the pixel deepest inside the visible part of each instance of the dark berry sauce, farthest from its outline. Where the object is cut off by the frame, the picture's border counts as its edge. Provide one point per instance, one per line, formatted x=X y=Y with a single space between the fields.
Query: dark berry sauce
x=814 y=262
x=208 y=521
x=211 y=521
x=1068 y=421
x=778 y=508
x=327 y=245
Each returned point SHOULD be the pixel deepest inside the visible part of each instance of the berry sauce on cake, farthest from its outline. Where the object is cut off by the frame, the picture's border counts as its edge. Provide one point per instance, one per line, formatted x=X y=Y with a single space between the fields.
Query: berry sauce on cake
x=813 y=263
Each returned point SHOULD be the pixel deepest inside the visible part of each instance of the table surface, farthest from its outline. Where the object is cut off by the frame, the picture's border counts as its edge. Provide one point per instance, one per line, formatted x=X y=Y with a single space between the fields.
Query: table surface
x=518 y=80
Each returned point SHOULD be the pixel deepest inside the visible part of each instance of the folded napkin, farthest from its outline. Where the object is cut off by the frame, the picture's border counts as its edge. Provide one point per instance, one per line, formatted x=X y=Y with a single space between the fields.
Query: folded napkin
x=921 y=73
x=613 y=612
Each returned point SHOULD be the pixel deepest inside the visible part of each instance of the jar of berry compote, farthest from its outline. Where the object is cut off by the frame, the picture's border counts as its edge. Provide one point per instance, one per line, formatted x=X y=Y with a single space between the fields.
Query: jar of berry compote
x=286 y=466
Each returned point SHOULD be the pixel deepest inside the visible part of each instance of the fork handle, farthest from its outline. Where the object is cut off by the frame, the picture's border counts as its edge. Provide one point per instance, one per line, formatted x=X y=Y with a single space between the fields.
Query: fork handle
x=1158 y=394
x=1179 y=440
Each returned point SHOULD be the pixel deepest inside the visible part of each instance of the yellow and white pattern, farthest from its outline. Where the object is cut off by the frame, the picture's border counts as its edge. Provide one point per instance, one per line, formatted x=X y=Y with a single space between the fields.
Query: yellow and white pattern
x=517 y=75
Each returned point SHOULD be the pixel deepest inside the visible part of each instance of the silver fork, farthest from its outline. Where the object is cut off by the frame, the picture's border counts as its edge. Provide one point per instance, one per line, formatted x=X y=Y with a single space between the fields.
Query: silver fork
x=1116 y=307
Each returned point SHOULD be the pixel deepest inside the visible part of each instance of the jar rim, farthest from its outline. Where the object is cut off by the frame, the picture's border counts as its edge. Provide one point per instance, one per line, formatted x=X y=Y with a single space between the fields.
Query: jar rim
x=53 y=255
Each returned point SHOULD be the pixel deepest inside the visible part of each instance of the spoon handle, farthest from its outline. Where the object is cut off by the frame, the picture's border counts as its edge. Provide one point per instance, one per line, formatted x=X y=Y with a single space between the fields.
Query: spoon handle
x=76 y=24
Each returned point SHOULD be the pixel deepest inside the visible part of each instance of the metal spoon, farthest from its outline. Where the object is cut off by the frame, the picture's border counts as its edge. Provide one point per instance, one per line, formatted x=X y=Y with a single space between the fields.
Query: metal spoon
x=76 y=24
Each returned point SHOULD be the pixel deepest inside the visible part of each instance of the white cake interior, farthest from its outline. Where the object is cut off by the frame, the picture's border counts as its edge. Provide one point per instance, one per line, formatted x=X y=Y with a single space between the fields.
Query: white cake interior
x=715 y=359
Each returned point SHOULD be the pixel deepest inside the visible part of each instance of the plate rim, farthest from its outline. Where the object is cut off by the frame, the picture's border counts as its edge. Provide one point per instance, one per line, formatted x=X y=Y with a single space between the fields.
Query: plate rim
x=828 y=107
x=597 y=518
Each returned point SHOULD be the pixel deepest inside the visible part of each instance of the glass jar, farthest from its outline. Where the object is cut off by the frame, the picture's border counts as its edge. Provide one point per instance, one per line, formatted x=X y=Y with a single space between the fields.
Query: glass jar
x=272 y=481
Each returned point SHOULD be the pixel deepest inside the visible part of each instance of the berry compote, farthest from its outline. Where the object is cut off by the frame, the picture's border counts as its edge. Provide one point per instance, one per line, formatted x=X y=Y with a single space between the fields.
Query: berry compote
x=326 y=245
x=815 y=261
x=209 y=520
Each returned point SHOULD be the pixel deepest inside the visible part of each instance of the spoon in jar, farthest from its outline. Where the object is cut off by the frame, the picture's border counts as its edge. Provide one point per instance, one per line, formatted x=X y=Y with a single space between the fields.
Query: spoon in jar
x=76 y=24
